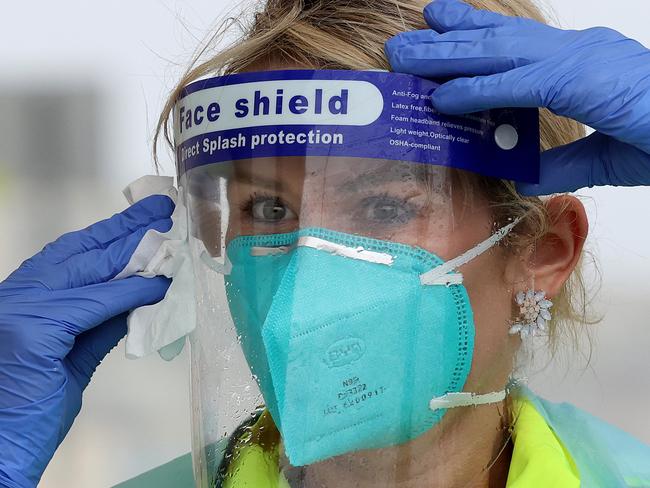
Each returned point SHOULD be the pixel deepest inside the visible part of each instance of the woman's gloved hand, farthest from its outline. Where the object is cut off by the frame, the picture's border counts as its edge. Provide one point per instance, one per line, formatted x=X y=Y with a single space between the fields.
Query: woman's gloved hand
x=59 y=316
x=596 y=76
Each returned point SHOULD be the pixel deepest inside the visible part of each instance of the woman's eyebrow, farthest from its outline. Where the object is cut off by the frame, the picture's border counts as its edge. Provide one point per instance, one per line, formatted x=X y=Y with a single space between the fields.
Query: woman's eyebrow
x=381 y=175
x=247 y=177
x=244 y=176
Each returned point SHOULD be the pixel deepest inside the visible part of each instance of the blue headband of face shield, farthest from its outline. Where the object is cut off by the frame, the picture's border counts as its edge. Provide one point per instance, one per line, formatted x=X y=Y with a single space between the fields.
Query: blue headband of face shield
x=352 y=114
x=336 y=326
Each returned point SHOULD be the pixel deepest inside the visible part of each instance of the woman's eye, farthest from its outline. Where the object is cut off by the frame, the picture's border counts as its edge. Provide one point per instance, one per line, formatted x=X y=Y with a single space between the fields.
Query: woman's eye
x=270 y=210
x=386 y=210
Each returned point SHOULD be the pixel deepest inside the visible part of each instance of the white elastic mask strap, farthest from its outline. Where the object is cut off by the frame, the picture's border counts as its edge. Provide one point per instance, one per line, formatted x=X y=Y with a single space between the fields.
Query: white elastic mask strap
x=437 y=276
x=441 y=275
x=327 y=246
x=348 y=252
x=305 y=241
x=465 y=399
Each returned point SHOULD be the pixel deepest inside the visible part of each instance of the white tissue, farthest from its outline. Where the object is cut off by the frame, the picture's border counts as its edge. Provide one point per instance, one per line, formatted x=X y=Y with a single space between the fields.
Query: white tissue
x=163 y=326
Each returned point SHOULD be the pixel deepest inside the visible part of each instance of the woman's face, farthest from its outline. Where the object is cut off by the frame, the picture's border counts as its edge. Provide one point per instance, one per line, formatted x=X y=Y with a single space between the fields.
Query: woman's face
x=414 y=204
x=421 y=206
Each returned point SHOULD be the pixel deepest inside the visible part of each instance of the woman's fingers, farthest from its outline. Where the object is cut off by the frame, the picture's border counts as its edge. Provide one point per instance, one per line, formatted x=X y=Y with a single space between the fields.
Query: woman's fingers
x=595 y=160
x=515 y=88
x=97 y=265
x=461 y=53
x=446 y=15
x=103 y=233
x=81 y=309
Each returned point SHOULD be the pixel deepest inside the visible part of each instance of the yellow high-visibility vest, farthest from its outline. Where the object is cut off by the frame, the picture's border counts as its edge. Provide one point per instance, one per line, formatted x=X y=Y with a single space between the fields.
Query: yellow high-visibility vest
x=538 y=458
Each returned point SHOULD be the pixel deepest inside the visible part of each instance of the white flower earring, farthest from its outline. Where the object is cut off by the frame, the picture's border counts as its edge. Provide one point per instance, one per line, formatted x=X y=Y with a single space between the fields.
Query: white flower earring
x=534 y=313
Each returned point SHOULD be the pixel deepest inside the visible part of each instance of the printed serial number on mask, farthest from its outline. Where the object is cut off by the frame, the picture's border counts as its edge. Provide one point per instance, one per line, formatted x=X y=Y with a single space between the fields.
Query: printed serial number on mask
x=352 y=399
x=350 y=402
x=352 y=391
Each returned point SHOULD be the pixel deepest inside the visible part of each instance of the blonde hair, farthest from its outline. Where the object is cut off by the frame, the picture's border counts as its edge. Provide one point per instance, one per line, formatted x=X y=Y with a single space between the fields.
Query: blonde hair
x=350 y=34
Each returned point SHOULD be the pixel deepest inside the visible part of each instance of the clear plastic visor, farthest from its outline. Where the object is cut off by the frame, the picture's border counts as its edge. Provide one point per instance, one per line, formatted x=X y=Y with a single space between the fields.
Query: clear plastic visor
x=381 y=199
x=318 y=346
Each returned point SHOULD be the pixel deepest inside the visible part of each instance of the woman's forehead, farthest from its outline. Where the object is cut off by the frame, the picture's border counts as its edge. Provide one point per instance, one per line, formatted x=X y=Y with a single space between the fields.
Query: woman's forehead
x=351 y=173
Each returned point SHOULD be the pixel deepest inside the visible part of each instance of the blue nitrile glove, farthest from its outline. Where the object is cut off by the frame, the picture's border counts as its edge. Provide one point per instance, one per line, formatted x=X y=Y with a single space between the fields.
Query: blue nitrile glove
x=596 y=76
x=59 y=316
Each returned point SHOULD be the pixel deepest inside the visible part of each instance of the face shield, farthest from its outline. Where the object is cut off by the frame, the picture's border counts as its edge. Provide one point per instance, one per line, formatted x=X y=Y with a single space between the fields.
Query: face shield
x=328 y=220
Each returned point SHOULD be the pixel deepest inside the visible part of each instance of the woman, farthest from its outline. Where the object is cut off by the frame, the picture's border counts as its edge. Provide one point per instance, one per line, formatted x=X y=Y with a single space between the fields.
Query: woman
x=545 y=245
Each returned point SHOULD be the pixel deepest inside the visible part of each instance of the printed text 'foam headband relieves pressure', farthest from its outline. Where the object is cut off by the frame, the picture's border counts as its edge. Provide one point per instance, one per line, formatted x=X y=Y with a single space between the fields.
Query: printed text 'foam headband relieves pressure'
x=354 y=114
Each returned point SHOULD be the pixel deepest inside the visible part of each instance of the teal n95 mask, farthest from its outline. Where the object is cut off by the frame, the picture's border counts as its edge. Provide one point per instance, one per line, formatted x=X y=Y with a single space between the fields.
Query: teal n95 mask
x=330 y=215
x=337 y=328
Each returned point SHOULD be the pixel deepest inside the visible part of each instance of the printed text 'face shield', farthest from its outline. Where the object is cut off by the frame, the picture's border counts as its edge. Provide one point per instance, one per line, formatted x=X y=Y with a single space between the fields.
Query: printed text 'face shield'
x=334 y=331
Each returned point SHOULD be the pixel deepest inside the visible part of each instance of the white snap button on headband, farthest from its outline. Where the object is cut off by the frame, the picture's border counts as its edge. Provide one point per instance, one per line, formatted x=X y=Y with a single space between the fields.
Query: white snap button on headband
x=506 y=136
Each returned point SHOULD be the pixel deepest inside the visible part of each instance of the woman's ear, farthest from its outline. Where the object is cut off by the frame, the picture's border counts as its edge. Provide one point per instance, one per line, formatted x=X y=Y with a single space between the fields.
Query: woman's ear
x=556 y=254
